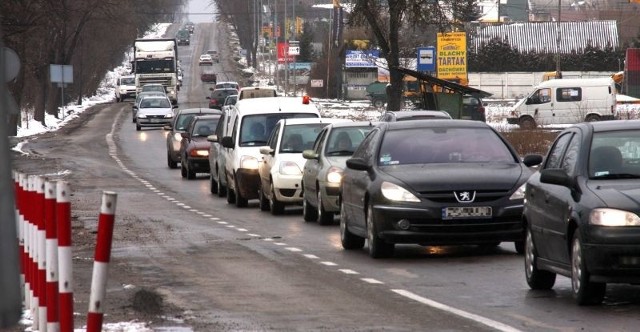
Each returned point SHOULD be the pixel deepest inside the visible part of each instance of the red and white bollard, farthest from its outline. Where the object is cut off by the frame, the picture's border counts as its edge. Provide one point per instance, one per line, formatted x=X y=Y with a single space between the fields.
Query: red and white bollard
x=65 y=272
x=41 y=253
x=101 y=262
x=32 y=248
x=20 y=199
x=50 y=226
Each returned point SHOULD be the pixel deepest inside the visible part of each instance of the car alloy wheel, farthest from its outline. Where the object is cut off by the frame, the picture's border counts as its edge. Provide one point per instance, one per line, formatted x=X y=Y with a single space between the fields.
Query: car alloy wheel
x=349 y=240
x=276 y=206
x=324 y=217
x=378 y=248
x=240 y=201
x=190 y=173
x=213 y=185
x=183 y=169
x=309 y=213
x=170 y=162
x=585 y=292
x=537 y=279
x=222 y=190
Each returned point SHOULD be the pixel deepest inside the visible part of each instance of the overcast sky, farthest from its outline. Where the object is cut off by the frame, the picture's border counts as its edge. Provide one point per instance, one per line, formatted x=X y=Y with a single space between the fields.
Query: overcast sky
x=201 y=11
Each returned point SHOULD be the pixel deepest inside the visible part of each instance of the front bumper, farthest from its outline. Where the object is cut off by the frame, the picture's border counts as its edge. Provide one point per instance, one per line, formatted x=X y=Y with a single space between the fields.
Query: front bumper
x=153 y=122
x=199 y=165
x=247 y=182
x=612 y=254
x=288 y=188
x=427 y=227
x=330 y=196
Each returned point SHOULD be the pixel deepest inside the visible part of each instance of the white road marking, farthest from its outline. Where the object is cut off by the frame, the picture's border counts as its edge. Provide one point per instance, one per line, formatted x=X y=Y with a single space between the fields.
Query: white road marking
x=310 y=256
x=242 y=230
x=254 y=235
x=222 y=222
x=372 y=281
x=293 y=249
x=280 y=244
x=328 y=263
x=348 y=271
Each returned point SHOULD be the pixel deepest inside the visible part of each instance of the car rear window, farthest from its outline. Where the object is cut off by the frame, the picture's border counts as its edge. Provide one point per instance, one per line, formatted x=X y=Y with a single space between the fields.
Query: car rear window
x=256 y=93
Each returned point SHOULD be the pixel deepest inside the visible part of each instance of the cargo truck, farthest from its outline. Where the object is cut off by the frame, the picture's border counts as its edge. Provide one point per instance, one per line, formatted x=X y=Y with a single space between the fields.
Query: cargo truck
x=156 y=61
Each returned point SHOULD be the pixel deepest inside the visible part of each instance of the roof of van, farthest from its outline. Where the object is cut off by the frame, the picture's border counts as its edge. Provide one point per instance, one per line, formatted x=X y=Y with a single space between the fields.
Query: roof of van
x=571 y=82
x=275 y=105
x=297 y=121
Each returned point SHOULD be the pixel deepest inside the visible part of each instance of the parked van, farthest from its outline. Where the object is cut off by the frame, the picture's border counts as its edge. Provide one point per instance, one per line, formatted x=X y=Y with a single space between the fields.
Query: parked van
x=249 y=124
x=566 y=101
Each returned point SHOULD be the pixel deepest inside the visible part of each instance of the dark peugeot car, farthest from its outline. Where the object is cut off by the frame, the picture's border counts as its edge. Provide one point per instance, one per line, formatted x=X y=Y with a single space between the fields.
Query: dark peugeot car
x=177 y=127
x=444 y=182
x=194 y=148
x=582 y=213
x=216 y=100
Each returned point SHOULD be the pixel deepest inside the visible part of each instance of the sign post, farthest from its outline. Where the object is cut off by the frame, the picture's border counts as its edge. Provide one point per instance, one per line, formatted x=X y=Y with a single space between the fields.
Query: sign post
x=294 y=50
x=61 y=74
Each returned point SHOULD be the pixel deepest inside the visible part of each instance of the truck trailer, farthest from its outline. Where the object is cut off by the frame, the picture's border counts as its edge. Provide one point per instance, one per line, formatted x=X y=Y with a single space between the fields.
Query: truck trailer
x=156 y=61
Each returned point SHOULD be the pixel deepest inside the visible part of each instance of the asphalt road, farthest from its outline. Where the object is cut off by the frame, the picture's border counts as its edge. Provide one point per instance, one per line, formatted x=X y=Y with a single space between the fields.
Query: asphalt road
x=221 y=268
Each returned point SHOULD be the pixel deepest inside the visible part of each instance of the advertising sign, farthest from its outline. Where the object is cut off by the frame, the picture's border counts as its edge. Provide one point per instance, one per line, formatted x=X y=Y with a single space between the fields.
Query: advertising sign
x=283 y=53
x=317 y=83
x=361 y=59
x=452 y=56
x=426 y=59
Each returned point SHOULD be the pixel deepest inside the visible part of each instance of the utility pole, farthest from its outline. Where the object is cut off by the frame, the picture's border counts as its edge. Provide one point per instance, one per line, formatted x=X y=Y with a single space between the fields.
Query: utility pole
x=558 y=40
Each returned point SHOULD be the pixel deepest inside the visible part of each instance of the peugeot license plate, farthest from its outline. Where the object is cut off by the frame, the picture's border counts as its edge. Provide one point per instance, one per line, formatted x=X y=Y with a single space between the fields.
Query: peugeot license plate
x=466 y=212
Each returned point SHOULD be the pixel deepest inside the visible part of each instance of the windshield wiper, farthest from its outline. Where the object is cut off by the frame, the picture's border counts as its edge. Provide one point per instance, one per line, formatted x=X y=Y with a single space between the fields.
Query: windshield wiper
x=618 y=176
x=340 y=153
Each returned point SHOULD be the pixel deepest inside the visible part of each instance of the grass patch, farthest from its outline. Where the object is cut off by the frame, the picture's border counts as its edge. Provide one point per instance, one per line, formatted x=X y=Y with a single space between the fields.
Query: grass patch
x=535 y=141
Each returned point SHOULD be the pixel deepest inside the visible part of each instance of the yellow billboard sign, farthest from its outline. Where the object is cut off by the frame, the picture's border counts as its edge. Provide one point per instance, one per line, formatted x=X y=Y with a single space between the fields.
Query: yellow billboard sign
x=452 y=56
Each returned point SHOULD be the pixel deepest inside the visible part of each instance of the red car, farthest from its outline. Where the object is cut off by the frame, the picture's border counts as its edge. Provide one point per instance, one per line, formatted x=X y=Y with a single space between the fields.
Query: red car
x=216 y=100
x=194 y=147
x=208 y=76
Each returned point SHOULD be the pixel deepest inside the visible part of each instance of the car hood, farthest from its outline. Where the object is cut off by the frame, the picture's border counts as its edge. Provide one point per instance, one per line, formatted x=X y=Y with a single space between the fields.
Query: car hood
x=478 y=176
x=200 y=142
x=619 y=193
x=151 y=111
x=338 y=161
x=295 y=157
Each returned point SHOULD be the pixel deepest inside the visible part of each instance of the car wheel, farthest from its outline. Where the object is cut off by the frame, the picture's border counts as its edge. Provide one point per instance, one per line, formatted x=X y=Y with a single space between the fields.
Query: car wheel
x=309 y=213
x=519 y=246
x=231 y=194
x=348 y=239
x=183 y=169
x=527 y=123
x=324 y=217
x=378 y=248
x=537 y=279
x=138 y=128
x=264 y=201
x=585 y=292
x=170 y=162
x=592 y=118
x=240 y=201
x=191 y=174
x=276 y=206
x=222 y=190
x=213 y=185
x=378 y=103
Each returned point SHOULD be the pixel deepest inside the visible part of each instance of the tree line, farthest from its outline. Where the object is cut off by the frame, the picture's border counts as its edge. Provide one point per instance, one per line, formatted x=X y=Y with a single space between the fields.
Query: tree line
x=90 y=35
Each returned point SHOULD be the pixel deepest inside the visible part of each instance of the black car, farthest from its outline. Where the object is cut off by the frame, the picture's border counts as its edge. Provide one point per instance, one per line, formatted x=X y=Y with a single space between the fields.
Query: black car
x=194 y=147
x=216 y=100
x=177 y=127
x=444 y=182
x=473 y=108
x=582 y=213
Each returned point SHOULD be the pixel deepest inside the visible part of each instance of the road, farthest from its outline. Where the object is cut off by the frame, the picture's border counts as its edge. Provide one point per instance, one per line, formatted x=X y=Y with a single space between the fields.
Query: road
x=221 y=268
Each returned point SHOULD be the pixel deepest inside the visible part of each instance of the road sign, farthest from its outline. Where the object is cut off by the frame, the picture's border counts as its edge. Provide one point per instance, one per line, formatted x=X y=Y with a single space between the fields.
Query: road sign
x=317 y=83
x=11 y=64
x=61 y=73
x=426 y=59
x=294 y=50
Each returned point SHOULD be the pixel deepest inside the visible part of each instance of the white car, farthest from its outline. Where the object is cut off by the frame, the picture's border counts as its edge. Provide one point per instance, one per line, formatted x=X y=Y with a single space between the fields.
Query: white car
x=154 y=111
x=282 y=162
x=205 y=59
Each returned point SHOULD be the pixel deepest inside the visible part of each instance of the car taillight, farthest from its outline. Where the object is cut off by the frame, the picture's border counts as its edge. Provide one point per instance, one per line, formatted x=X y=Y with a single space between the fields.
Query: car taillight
x=481 y=109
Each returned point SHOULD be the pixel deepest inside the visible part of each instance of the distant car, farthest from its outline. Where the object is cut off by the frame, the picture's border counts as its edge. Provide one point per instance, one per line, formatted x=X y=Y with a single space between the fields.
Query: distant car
x=215 y=56
x=391 y=116
x=218 y=96
x=256 y=92
x=154 y=87
x=581 y=210
x=228 y=85
x=177 y=127
x=190 y=26
x=205 y=59
x=473 y=108
x=282 y=162
x=208 y=75
x=322 y=172
x=125 y=87
x=154 y=111
x=139 y=96
x=444 y=182
x=194 y=147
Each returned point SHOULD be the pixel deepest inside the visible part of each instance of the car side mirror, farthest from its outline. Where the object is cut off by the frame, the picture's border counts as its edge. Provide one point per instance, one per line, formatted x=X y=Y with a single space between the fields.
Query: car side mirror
x=309 y=154
x=227 y=142
x=557 y=176
x=358 y=164
x=532 y=160
x=185 y=135
x=267 y=150
x=212 y=138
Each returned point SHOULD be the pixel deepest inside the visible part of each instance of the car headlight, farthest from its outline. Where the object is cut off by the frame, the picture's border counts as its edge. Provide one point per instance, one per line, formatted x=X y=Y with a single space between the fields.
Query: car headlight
x=334 y=174
x=168 y=116
x=396 y=193
x=519 y=193
x=613 y=217
x=248 y=162
x=142 y=116
x=177 y=136
x=199 y=153
x=289 y=168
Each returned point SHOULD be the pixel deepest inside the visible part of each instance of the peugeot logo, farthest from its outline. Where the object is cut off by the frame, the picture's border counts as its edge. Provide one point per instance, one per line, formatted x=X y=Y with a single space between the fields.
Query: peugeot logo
x=465 y=196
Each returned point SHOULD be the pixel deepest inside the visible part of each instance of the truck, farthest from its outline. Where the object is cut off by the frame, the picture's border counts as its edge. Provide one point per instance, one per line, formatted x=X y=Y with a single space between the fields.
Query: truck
x=156 y=61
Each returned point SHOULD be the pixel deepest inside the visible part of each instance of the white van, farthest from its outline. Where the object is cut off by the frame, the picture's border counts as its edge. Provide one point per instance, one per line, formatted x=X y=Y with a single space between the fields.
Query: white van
x=125 y=87
x=566 y=101
x=249 y=124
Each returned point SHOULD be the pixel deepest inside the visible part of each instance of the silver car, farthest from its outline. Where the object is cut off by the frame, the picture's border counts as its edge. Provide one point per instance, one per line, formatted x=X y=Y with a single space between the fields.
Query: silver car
x=322 y=171
x=155 y=111
x=139 y=96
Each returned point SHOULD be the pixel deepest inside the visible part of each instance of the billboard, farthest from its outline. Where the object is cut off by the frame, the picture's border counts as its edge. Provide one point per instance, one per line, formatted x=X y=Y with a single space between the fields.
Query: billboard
x=283 y=53
x=361 y=59
x=452 y=56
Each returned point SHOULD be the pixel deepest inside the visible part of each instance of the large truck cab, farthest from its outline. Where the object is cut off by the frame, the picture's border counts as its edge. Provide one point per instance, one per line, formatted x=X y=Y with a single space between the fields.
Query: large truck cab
x=156 y=61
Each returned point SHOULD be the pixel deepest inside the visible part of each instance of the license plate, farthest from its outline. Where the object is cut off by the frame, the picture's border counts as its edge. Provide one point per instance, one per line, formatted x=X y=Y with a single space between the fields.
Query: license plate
x=466 y=212
x=156 y=120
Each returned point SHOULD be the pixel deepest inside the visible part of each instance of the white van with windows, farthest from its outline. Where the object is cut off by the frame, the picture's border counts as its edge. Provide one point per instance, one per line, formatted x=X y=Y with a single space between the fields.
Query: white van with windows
x=566 y=101
x=125 y=87
x=249 y=124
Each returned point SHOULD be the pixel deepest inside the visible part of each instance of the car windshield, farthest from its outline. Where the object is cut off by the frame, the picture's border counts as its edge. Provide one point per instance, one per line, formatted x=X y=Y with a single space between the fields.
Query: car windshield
x=443 y=145
x=255 y=129
x=615 y=155
x=182 y=121
x=297 y=138
x=127 y=81
x=153 y=88
x=344 y=141
x=155 y=103
x=204 y=128
x=257 y=93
